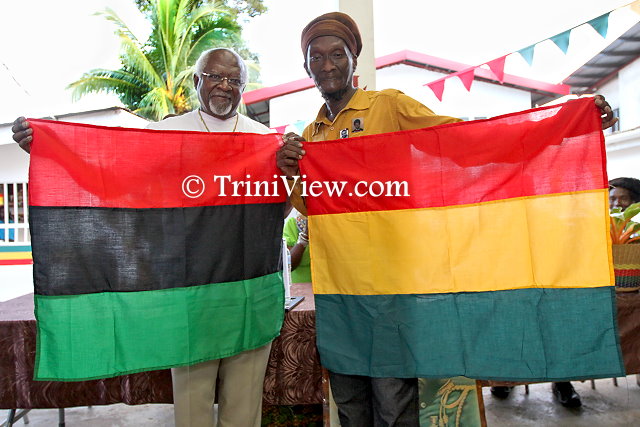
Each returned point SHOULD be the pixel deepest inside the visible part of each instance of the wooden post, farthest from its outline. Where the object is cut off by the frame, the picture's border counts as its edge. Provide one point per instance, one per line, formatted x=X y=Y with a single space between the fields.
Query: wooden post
x=483 y=418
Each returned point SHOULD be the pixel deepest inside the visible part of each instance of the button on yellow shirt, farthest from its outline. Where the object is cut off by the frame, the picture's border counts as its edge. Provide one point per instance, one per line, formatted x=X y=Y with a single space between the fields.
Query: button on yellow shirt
x=369 y=113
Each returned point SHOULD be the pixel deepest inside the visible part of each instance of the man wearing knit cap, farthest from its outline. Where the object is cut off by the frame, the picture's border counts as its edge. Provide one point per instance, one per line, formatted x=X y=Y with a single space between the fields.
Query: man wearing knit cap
x=331 y=44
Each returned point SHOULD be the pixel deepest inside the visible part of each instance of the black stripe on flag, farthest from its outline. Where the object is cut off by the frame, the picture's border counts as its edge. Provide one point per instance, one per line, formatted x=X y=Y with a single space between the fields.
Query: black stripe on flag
x=90 y=250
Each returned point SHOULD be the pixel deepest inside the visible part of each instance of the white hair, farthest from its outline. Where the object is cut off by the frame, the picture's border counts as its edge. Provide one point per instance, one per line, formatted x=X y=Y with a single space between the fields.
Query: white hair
x=202 y=60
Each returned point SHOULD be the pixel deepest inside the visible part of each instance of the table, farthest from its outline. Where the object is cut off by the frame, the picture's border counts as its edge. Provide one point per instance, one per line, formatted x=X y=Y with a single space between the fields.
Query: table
x=293 y=376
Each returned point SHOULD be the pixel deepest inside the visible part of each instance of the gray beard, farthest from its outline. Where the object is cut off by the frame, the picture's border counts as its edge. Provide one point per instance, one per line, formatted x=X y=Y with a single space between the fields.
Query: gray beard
x=335 y=96
x=220 y=109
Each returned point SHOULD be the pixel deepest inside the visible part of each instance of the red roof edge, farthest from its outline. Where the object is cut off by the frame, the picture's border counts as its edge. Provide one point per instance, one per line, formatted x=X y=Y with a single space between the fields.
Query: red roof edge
x=265 y=93
x=414 y=59
x=405 y=56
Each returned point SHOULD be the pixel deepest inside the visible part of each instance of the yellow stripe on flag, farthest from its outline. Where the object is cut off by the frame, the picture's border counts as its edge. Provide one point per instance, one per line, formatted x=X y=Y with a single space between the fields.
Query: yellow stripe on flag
x=550 y=241
x=15 y=255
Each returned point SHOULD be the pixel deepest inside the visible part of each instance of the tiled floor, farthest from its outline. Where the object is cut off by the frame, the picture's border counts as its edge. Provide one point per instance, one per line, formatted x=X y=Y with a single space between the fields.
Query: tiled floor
x=119 y=415
x=606 y=406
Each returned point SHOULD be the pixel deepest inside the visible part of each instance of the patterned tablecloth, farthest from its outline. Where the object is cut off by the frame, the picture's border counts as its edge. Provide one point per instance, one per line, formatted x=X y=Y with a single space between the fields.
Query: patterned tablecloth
x=293 y=375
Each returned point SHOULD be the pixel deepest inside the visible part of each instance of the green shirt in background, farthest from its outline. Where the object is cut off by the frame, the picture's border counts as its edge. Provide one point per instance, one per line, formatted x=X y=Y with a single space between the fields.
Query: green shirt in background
x=302 y=273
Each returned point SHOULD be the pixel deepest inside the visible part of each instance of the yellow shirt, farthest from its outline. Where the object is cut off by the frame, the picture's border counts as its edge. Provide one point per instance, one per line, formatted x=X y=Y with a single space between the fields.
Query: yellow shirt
x=369 y=113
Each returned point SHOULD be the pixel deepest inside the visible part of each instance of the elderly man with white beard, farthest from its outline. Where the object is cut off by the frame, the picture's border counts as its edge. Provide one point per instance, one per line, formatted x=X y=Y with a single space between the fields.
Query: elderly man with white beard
x=219 y=78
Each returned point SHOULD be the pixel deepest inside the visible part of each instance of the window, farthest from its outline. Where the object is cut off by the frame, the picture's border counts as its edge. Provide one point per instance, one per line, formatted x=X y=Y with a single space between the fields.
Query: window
x=14 y=216
x=616 y=126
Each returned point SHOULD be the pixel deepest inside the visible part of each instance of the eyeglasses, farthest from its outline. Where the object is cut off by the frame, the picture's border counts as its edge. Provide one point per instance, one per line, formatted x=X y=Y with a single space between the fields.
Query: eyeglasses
x=217 y=79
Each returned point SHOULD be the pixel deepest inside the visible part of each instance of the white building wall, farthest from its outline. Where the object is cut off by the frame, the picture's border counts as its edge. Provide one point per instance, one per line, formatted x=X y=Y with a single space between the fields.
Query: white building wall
x=611 y=91
x=623 y=154
x=623 y=147
x=629 y=78
x=14 y=163
x=294 y=107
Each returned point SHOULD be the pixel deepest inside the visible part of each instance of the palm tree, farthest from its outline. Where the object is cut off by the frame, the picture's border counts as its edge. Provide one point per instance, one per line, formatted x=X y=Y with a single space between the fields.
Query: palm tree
x=156 y=76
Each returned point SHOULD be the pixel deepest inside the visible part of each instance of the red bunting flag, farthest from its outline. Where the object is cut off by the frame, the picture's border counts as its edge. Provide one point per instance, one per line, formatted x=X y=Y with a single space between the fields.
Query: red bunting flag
x=497 y=67
x=466 y=76
x=437 y=87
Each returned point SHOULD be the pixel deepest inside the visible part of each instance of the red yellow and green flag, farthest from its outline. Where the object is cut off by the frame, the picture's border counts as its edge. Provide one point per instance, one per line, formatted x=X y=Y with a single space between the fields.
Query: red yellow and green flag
x=478 y=249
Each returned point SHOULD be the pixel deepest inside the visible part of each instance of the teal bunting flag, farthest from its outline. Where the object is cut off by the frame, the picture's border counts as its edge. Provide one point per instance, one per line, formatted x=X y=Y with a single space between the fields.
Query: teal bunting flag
x=601 y=24
x=299 y=125
x=562 y=40
x=527 y=54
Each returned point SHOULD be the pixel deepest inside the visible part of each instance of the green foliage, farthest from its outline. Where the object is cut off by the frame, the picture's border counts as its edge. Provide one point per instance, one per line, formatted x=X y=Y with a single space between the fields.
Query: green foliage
x=249 y=7
x=623 y=230
x=156 y=75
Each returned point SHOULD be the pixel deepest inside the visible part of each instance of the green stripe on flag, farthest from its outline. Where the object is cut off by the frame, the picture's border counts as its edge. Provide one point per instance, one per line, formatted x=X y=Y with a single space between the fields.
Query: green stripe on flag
x=526 y=334
x=90 y=336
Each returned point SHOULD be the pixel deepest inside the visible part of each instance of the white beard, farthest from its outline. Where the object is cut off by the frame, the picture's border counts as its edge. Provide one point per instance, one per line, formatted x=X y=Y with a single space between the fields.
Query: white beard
x=220 y=109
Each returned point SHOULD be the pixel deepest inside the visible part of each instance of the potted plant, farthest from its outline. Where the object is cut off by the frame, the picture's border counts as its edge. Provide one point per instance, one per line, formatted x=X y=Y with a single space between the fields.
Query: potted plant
x=626 y=254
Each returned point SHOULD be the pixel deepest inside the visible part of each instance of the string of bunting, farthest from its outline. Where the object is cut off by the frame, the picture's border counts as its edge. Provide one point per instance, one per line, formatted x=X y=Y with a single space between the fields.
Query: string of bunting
x=466 y=76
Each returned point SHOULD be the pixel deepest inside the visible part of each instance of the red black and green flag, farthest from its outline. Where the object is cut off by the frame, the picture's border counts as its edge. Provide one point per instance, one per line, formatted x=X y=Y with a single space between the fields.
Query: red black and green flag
x=142 y=260
x=479 y=249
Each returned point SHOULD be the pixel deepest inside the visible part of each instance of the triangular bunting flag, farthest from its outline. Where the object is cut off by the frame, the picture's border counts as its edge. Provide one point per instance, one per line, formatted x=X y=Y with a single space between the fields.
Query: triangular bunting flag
x=466 y=77
x=299 y=125
x=562 y=40
x=601 y=24
x=280 y=129
x=527 y=54
x=497 y=68
x=437 y=86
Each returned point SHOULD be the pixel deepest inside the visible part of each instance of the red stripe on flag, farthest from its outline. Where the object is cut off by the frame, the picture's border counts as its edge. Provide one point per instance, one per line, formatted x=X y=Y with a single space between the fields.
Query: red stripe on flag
x=555 y=149
x=16 y=261
x=97 y=166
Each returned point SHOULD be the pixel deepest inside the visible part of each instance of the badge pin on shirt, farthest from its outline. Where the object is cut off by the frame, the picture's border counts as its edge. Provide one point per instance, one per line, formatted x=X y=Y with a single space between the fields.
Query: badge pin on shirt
x=344 y=133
